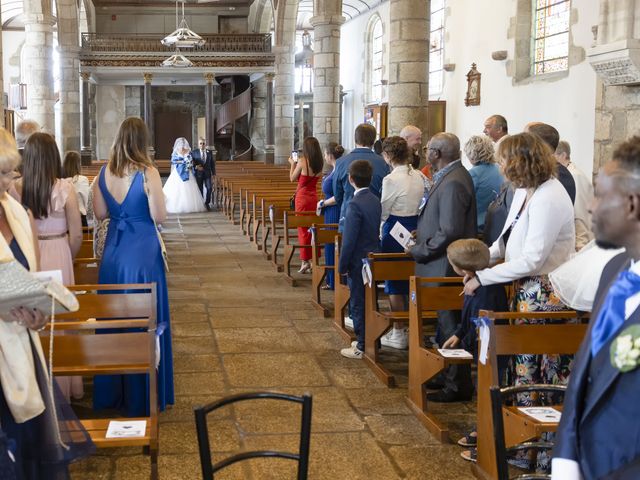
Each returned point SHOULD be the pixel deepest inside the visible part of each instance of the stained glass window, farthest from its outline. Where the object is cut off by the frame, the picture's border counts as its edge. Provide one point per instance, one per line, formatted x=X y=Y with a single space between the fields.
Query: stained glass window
x=550 y=36
x=377 y=61
x=436 y=48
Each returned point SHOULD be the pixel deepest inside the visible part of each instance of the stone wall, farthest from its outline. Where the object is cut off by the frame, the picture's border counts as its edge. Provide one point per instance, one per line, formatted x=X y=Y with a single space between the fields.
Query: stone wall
x=617 y=119
x=133 y=101
x=182 y=99
x=110 y=112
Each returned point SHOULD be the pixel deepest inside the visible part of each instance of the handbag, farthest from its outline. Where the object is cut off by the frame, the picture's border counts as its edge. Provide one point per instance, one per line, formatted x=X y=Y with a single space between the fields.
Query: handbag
x=163 y=247
x=19 y=288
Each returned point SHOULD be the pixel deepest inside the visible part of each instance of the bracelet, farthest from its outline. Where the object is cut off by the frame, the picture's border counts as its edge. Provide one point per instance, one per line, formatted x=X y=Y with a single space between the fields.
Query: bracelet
x=321 y=203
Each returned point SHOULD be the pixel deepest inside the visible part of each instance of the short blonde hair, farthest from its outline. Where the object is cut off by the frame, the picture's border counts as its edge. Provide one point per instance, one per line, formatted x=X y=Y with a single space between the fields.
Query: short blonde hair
x=479 y=149
x=469 y=254
x=9 y=155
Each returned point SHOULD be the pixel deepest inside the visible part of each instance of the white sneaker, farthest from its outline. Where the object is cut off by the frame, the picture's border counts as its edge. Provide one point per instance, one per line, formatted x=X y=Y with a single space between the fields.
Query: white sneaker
x=395 y=338
x=348 y=323
x=352 y=352
x=354 y=343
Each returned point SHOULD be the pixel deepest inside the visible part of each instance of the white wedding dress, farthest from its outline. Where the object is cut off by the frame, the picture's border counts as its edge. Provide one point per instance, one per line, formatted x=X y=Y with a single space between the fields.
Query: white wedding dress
x=182 y=196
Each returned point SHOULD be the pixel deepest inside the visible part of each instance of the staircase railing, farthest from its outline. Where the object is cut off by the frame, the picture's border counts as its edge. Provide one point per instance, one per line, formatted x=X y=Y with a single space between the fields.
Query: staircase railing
x=232 y=110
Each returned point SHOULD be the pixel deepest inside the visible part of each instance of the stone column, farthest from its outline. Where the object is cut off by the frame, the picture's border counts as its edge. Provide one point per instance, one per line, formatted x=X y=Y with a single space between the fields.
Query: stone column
x=269 y=146
x=326 y=70
x=86 y=152
x=210 y=114
x=68 y=132
x=301 y=124
x=38 y=58
x=409 y=65
x=284 y=97
x=148 y=110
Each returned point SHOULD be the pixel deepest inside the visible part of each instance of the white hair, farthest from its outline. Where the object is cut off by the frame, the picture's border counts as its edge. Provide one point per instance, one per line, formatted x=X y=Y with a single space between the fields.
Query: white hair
x=479 y=149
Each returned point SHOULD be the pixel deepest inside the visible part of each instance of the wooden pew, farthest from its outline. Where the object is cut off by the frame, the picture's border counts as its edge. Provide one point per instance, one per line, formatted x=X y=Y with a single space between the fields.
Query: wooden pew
x=131 y=352
x=86 y=249
x=511 y=340
x=383 y=266
x=341 y=296
x=292 y=221
x=321 y=234
x=426 y=296
x=276 y=219
x=85 y=271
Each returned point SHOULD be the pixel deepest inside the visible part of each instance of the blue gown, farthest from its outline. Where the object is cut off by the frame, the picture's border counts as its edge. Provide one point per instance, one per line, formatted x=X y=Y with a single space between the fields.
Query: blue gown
x=331 y=215
x=132 y=254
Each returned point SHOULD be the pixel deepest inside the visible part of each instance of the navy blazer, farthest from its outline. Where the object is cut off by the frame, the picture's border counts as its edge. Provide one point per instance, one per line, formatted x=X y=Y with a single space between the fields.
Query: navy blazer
x=342 y=189
x=600 y=427
x=567 y=181
x=361 y=232
x=208 y=163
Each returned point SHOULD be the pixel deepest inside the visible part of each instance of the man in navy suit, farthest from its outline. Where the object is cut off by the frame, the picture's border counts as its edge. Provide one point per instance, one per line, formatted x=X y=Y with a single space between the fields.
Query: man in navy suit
x=359 y=237
x=599 y=433
x=205 y=169
x=365 y=137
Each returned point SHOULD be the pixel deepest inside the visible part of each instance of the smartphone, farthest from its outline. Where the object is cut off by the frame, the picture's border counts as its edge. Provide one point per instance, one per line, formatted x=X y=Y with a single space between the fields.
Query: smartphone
x=294 y=155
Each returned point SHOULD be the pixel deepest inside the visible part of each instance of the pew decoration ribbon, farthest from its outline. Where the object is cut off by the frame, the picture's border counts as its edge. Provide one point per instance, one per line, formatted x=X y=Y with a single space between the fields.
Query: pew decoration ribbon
x=484 y=335
x=271 y=213
x=625 y=349
x=312 y=231
x=367 y=277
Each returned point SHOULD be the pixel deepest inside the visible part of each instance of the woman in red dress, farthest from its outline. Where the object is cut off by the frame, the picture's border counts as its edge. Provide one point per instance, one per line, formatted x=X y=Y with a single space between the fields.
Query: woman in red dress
x=306 y=170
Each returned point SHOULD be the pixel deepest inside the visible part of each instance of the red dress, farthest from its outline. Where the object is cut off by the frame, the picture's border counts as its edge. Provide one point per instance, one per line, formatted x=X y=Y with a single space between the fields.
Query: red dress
x=306 y=200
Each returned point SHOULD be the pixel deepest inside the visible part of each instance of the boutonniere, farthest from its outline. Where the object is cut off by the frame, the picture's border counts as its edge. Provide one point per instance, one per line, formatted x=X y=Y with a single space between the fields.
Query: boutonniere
x=625 y=349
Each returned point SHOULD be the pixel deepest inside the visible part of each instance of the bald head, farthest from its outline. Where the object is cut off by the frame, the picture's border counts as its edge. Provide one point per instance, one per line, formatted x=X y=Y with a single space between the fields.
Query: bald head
x=413 y=136
x=546 y=132
x=448 y=146
x=24 y=129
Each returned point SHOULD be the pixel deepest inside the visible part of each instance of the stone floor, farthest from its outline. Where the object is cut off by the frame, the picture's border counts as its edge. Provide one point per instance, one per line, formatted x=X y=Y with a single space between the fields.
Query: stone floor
x=238 y=326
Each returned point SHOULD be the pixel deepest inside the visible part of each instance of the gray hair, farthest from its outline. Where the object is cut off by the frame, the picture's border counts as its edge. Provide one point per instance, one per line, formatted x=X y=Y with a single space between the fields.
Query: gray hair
x=479 y=149
x=24 y=129
x=563 y=147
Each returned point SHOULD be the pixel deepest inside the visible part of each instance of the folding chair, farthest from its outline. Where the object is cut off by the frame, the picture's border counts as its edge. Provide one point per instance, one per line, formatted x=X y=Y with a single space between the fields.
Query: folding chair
x=302 y=457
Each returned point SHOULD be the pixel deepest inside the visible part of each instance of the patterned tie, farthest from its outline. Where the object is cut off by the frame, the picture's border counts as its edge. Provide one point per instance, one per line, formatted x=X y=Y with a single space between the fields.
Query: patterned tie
x=612 y=313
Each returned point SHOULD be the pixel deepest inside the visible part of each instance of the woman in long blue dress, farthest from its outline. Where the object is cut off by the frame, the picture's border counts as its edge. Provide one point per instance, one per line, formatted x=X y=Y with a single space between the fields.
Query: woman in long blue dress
x=332 y=153
x=132 y=254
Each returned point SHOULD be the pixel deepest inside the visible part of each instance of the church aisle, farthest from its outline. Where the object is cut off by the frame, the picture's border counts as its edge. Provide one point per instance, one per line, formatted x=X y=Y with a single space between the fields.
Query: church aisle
x=238 y=326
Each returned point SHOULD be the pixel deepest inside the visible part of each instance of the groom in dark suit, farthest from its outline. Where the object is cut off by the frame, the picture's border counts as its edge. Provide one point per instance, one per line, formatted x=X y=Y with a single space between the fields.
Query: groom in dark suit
x=599 y=433
x=447 y=213
x=205 y=169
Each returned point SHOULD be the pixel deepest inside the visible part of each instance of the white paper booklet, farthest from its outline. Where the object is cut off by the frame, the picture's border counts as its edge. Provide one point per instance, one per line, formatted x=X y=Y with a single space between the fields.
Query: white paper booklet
x=402 y=235
x=542 y=414
x=454 y=353
x=130 y=429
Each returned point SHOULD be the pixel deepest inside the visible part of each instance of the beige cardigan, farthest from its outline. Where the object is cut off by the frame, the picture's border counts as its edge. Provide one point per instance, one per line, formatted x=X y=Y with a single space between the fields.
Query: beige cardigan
x=17 y=369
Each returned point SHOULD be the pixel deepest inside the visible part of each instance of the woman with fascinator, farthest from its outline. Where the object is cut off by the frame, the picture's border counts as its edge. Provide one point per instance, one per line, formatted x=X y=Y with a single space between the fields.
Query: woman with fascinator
x=181 y=189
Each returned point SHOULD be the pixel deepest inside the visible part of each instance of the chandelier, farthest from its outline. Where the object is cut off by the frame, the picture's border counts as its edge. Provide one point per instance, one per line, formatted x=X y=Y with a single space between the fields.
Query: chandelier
x=177 y=60
x=183 y=36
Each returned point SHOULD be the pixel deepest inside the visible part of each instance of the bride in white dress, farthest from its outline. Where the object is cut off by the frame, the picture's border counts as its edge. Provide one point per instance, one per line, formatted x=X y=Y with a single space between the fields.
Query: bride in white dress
x=181 y=190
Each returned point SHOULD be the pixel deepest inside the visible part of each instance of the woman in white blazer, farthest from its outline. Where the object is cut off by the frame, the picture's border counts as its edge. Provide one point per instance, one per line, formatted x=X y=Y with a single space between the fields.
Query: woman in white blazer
x=538 y=237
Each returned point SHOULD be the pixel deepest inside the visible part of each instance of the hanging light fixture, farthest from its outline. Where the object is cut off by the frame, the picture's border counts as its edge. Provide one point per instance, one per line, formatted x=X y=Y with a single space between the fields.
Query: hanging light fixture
x=177 y=60
x=183 y=36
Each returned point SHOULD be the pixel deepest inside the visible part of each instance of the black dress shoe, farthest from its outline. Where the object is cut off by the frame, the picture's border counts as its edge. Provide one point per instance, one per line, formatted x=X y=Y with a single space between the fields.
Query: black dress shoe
x=208 y=207
x=445 y=396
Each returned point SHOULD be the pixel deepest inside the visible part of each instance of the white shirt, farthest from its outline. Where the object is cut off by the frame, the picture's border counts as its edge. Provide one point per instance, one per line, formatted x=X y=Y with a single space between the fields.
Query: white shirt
x=541 y=240
x=584 y=197
x=402 y=192
x=81 y=184
x=564 y=468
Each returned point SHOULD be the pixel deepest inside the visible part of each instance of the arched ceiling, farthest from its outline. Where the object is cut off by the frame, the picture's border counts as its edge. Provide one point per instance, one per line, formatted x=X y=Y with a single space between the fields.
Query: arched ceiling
x=350 y=9
x=11 y=12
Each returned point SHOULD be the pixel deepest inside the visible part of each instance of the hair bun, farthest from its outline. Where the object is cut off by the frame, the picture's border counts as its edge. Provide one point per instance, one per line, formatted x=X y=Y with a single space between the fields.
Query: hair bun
x=339 y=149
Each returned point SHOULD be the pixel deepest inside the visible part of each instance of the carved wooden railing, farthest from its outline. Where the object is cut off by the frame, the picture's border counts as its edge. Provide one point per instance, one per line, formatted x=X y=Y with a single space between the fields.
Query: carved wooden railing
x=234 y=109
x=232 y=43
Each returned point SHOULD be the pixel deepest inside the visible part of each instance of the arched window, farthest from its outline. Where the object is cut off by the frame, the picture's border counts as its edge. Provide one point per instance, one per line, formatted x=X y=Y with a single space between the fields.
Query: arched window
x=436 y=48
x=550 y=39
x=376 y=60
